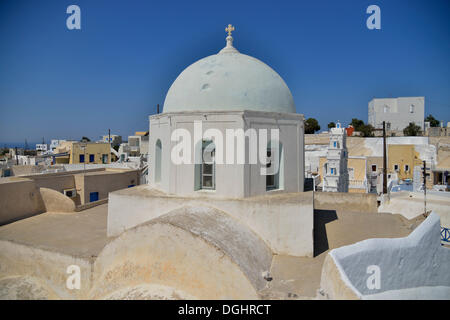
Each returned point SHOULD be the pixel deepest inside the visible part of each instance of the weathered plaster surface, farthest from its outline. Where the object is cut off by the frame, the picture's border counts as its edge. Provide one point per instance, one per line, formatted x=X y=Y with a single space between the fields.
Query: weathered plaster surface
x=283 y=221
x=199 y=251
x=55 y=201
x=414 y=266
x=229 y=81
x=354 y=202
x=19 y=198
x=42 y=270
x=411 y=205
x=189 y=253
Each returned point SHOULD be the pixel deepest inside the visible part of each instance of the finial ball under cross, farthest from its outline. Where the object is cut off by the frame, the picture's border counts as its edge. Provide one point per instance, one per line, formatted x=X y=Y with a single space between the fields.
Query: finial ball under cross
x=229 y=29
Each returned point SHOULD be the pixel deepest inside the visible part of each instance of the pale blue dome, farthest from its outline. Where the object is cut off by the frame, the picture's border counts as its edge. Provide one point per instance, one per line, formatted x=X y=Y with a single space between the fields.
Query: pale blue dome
x=226 y=81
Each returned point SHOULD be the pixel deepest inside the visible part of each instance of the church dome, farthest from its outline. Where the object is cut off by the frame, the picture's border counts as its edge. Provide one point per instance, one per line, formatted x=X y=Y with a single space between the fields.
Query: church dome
x=229 y=81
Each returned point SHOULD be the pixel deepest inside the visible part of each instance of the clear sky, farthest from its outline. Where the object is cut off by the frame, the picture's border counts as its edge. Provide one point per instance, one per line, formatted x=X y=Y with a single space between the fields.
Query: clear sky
x=60 y=83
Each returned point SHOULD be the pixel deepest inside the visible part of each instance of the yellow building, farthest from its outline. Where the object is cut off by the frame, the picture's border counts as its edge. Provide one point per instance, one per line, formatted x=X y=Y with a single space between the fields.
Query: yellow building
x=402 y=159
x=356 y=173
x=141 y=133
x=84 y=152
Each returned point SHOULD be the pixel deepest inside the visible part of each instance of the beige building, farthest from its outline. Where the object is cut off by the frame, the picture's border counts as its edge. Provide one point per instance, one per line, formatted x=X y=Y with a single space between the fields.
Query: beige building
x=29 y=195
x=374 y=165
x=84 y=152
x=357 y=174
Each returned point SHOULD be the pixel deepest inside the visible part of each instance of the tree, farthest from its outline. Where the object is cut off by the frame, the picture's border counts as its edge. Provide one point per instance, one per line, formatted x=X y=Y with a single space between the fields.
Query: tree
x=366 y=130
x=433 y=122
x=357 y=124
x=311 y=126
x=85 y=139
x=360 y=126
x=331 y=125
x=412 y=130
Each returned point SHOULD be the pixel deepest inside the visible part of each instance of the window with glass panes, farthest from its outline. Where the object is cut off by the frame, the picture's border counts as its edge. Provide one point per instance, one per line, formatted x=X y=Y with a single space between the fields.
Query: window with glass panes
x=270 y=179
x=208 y=170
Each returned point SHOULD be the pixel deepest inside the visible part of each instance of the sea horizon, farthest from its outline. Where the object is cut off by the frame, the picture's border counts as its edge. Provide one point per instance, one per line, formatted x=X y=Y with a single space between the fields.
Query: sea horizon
x=31 y=145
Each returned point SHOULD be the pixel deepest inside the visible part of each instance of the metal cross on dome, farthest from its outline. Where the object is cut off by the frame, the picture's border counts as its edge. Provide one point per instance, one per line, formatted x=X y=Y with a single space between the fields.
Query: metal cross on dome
x=229 y=29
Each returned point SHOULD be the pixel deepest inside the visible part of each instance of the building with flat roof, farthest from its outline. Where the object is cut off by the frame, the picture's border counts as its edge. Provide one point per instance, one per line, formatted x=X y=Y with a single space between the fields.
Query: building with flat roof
x=83 y=152
x=41 y=147
x=114 y=139
x=136 y=146
x=54 y=143
x=24 y=196
x=396 y=112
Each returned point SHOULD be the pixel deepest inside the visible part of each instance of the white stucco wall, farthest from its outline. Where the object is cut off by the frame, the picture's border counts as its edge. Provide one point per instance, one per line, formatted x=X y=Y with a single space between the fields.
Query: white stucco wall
x=414 y=267
x=229 y=81
x=398 y=115
x=312 y=156
x=232 y=180
x=422 y=146
x=284 y=221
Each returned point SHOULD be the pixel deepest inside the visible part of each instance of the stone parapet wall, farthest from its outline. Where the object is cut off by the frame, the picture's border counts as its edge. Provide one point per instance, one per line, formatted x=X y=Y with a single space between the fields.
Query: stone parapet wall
x=414 y=267
x=284 y=221
x=354 y=202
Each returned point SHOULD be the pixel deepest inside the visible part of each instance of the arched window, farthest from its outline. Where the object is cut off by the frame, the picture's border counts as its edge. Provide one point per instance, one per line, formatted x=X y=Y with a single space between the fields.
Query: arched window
x=158 y=161
x=386 y=109
x=275 y=172
x=411 y=108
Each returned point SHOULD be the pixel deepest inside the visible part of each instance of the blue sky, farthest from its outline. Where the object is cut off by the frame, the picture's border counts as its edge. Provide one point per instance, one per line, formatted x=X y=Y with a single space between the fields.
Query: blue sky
x=60 y=83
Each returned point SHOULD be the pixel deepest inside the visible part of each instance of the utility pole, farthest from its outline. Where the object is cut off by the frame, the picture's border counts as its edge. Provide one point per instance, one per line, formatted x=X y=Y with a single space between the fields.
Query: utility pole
x=84 y=150
x=109 y=136
x=17 y=158
x=157 y=108
x=384 y=160
x=425 y=174
x=83 y=146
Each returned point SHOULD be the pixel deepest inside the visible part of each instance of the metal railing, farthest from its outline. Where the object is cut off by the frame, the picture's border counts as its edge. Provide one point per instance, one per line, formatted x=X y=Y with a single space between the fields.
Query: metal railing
x=445 y=235
x=357 y=182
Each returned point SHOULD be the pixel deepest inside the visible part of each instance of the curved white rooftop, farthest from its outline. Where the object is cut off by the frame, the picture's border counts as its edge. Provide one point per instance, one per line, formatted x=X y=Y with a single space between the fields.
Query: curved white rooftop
x=227 y=81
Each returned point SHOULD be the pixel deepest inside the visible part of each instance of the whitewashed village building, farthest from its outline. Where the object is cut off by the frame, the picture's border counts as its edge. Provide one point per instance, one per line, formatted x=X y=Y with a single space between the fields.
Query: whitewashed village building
x=54 y=143
x=114 y=139
x=335 y=171
x=43 y=147
x=396 y=112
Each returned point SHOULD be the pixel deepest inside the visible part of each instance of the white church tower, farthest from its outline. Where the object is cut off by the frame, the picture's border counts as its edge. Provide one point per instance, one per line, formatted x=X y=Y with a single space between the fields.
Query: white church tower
x=335 y=173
